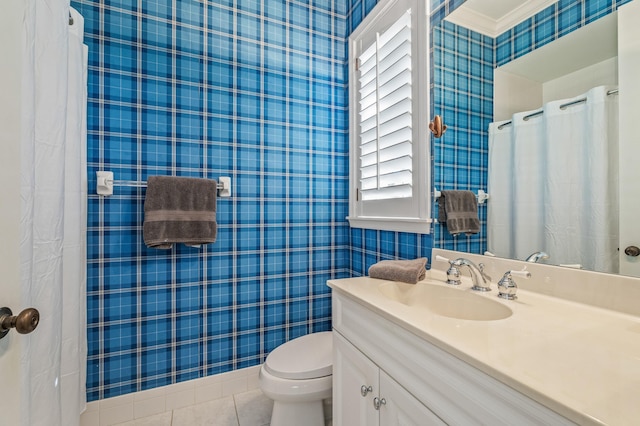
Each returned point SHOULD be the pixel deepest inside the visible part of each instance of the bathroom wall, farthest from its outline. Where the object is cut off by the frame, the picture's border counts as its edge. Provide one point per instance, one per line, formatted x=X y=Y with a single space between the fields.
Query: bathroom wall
x=249 y=89
x=557 y=20
x=463 y=62
x=370 y=246
x=257 y=91
x=463 y=94
x=462 y=76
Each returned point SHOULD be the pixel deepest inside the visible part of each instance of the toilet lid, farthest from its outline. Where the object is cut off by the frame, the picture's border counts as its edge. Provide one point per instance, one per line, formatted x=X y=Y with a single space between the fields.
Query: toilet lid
x=306 y=357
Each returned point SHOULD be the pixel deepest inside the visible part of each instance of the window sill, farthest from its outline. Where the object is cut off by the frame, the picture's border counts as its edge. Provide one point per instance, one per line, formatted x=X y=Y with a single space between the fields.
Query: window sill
x=398 y=224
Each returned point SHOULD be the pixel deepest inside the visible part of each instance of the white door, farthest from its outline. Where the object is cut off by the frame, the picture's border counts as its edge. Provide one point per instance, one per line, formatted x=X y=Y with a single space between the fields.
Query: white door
x=401 y=408
x=10 y=136
x=351 y=371
x=629 y=100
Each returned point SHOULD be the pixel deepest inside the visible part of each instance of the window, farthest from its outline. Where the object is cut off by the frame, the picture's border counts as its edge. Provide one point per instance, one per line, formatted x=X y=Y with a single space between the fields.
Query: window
x=388 y=84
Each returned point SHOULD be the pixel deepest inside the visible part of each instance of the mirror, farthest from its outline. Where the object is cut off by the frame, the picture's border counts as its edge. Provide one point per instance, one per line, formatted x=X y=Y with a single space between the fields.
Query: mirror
x=531 y=38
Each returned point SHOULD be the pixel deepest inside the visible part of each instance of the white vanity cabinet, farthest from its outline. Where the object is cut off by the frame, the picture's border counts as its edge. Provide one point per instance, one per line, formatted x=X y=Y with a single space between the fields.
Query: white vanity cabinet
x=364 y=395
x=355 y=383
x=421 y=383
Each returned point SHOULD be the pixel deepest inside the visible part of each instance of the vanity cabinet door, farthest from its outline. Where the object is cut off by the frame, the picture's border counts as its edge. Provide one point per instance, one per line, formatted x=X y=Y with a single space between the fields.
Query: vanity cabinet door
x=402 y=408
x=351 y=371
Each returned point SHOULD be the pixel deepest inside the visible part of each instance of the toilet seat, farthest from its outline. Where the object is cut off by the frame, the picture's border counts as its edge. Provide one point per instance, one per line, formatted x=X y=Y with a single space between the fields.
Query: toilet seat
x=306 y=357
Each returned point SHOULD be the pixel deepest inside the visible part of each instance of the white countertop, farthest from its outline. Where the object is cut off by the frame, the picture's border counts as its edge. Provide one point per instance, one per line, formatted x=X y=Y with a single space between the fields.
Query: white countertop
x=581 y=361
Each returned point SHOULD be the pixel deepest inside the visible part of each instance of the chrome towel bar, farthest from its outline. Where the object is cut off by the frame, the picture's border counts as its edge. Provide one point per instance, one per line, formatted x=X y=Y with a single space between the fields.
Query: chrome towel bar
x=105 y=183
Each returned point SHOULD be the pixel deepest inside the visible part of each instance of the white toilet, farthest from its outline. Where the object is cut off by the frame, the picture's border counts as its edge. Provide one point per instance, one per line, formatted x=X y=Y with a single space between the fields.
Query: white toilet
x=297 y=376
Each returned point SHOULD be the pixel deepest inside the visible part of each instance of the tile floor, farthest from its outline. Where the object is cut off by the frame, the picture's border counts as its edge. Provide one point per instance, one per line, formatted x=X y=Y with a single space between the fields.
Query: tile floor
x=244 y=409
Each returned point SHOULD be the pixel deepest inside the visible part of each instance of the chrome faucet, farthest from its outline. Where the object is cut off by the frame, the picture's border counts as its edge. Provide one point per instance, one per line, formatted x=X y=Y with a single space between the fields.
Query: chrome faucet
x=507 y=286
x=479 y=278
x=535 y=257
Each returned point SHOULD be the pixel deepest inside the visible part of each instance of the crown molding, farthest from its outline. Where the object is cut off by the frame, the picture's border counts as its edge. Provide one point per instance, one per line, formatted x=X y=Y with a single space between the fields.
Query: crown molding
x=474 y=20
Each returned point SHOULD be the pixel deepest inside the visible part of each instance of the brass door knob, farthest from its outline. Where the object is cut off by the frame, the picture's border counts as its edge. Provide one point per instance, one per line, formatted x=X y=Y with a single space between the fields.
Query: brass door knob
x=25 y=322
x=632 y=251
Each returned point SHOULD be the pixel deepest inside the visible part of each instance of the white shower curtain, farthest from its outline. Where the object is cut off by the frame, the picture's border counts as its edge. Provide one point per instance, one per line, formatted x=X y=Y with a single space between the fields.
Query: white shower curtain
x=553 y=180
x=53 y=213
x=74 y=325
x=499 y=185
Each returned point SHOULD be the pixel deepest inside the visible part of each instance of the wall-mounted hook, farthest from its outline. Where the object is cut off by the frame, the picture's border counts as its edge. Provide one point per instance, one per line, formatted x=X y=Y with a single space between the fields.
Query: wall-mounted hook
x=437 y=127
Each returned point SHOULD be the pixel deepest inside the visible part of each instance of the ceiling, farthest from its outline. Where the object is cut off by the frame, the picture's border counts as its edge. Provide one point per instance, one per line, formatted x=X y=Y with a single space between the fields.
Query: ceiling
x=493 y=17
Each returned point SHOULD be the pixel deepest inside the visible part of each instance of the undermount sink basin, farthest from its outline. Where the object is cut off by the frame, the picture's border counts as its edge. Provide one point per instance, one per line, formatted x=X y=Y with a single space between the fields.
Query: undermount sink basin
x=446 y=301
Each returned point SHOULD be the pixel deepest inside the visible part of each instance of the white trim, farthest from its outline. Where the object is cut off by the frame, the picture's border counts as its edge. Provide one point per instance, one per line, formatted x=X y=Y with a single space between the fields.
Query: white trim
x=417 y=208
x=479 y=22
x=473 y=20
x=398 y=224
x=124 y=408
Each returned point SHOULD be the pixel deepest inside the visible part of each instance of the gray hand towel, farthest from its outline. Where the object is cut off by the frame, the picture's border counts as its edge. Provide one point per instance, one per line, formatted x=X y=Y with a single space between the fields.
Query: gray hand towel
x=179 y=210
x=407 y=271
x=458 y=211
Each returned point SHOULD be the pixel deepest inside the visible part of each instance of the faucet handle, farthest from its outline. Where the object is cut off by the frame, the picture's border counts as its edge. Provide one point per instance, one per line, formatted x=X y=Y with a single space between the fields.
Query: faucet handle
x=507 y=286
x=453 y=275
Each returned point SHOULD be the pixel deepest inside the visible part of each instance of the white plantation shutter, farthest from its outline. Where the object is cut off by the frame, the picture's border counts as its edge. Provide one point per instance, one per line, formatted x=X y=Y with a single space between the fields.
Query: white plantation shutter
x=389 y=152
x=385 y=114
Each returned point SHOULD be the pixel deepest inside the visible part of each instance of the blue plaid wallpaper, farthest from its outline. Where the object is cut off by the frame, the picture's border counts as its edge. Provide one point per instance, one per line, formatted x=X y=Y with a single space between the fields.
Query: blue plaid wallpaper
x=550 y=24
x=462 y=71
x=463 y=63
x=370 y=246
x=255 y=90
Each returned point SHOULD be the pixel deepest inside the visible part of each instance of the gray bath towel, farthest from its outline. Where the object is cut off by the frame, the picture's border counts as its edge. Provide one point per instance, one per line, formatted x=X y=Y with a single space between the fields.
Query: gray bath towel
x=458 y=211
x=179 y=210
x=407 y=271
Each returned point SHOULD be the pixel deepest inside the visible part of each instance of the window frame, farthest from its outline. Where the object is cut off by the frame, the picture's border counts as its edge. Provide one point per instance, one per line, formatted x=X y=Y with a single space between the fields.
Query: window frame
x=411 y=214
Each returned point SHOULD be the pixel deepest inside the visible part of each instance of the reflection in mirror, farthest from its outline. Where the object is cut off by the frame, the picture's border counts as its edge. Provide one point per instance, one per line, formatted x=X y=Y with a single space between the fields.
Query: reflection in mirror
x=553 y=179
x=553 y=171
x=544 y=61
